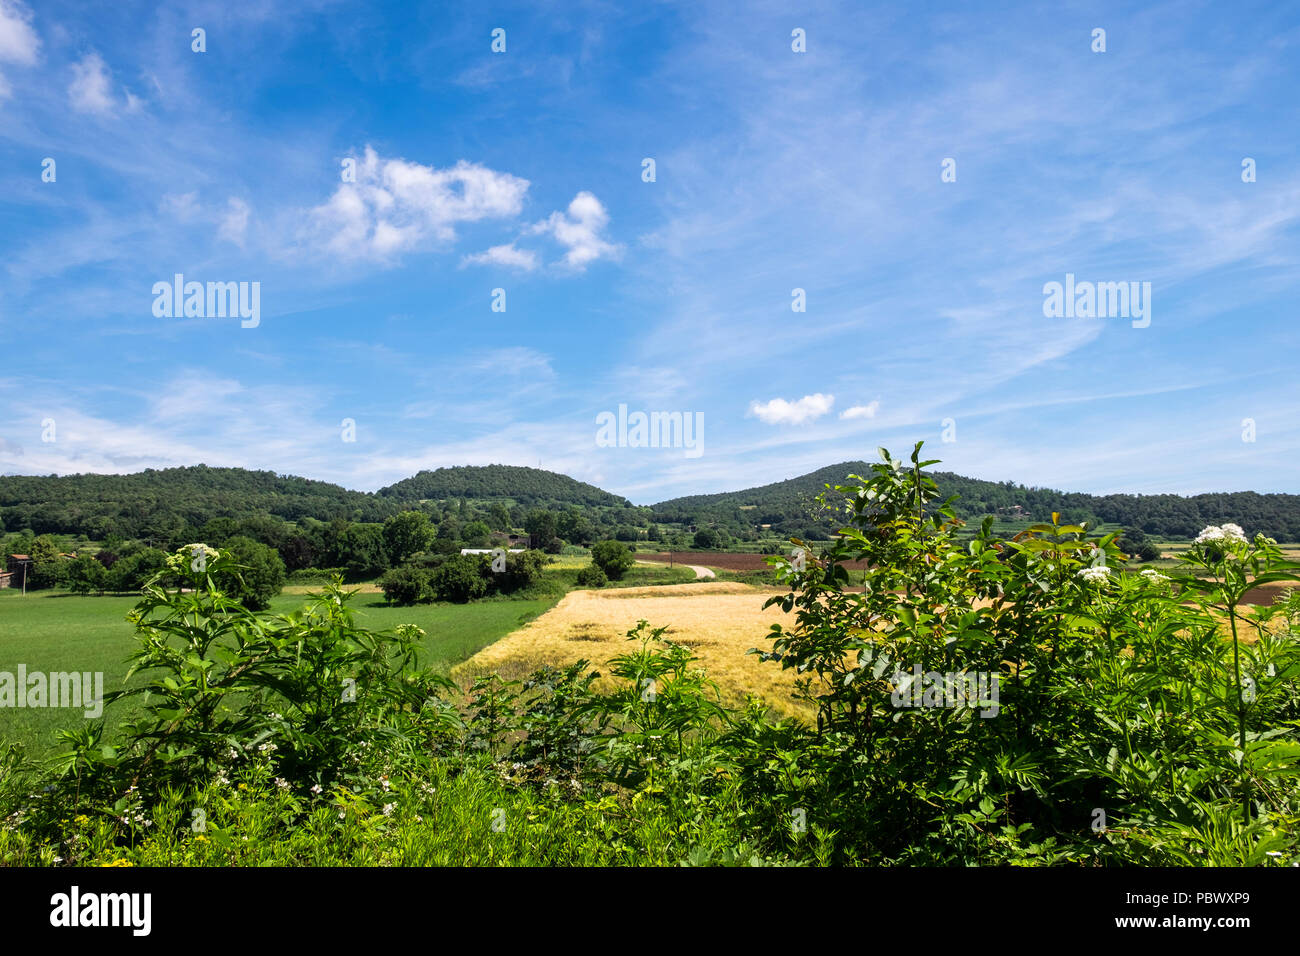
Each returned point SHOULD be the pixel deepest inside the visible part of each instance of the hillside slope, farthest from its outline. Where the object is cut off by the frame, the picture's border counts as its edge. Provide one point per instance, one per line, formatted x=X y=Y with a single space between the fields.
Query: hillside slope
x=146 y=502
x=527 y=486
x=790 y=505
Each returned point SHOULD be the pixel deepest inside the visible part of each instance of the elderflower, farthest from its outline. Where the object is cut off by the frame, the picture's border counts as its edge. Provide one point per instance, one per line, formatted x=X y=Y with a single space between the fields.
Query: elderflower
x=1153 y=576
x=1094 y=575
x=1225 y=534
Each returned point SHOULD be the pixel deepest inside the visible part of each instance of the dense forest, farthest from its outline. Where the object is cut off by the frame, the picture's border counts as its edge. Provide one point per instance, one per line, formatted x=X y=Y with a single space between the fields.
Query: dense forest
x=110 y=533
x=527 y=486
x=162 y=507
x=152 y=504
x=790 y=506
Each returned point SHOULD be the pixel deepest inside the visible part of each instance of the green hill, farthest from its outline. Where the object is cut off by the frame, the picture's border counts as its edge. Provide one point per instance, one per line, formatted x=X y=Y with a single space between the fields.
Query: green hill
x=531 y=487
x=151 y=503
x=790 y=506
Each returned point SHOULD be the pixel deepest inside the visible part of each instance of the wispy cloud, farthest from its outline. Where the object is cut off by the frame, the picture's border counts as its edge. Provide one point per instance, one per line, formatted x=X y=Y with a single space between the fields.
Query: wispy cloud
x=861 y=411
x=19 y=43
x=91 y=89
x=507 y=255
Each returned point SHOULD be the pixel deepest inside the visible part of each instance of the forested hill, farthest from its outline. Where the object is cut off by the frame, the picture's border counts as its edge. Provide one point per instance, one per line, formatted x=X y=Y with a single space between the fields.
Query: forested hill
x=525 y=486
x=154 y=504
x=151 y=503
x=789 y=506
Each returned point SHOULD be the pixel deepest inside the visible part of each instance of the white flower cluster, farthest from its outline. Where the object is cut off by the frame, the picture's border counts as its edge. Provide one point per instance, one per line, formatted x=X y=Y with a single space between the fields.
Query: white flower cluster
x=1095 y=575
x=1226 y=534
x=1153 y=576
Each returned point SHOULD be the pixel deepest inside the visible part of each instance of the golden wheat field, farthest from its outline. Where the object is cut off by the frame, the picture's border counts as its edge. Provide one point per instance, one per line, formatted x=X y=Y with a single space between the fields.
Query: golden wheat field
x=719 y=621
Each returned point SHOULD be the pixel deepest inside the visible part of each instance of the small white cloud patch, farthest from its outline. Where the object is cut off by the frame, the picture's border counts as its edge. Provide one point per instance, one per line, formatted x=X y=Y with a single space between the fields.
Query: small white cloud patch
x=579 y=230
x=395 y=205
x=91 y=88
x=780 y=412
x=861 y=411
x=508 y=255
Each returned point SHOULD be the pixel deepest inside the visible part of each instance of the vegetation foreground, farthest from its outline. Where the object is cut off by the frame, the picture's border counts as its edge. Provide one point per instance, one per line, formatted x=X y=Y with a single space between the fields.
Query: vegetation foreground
x=980 y=701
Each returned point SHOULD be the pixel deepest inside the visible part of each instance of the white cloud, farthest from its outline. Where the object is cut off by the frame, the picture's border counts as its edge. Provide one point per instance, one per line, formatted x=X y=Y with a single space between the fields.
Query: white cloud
x=396 y=205
x=505 y=255
x=18 y=41
x=91 y=86
x=861 y=411
x=780 y=412
x=234 y=224
x=579 y=230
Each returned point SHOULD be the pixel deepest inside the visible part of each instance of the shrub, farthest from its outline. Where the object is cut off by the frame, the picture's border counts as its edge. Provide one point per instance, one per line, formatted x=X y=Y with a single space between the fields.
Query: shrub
x=612 y=557
x=225 y=686
x=523 y=570
x=314 y=575
x=85 y=574
x=132 y=572
x=706 y=539
x=255 y=574
x=461 y=578
x=592 y=577
x=406 y=585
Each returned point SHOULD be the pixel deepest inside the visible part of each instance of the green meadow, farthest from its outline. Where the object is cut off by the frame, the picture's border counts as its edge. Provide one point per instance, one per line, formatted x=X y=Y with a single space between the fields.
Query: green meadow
x=57 y=631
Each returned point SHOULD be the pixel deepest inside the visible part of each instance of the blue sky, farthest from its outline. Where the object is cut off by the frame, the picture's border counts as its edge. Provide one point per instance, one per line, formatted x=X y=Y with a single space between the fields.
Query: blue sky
x=774 y=170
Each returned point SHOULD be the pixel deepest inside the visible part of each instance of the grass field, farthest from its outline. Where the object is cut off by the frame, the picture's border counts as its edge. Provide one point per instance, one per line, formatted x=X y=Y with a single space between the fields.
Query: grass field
x=55 y=631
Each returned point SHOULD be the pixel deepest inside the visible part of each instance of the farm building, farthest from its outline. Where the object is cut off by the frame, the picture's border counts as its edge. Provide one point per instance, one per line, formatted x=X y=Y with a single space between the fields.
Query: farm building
x=17 y=573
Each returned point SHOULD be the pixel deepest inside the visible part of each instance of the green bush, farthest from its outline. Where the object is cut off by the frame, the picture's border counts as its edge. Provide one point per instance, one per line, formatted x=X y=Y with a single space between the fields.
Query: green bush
x=314 y=575
x=406 y=585
x=612 y=557
x=592 y=577
x=133 y=571
x=85 y=574
x=523 y=570
x=255 y=575
x=461 y=578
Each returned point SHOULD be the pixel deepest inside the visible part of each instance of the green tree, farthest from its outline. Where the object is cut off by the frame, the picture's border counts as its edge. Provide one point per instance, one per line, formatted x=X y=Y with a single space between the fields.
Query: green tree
x=405 y=585
x=85 y=574
x=706 y=538
x=475 y=534
x=461 y=578
x=540 y=525
x=132 y=571
x=361 y=549
x=499 y=517
x=612 y=557
x=258 y=577
x=406 y=534
x=47 y=569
